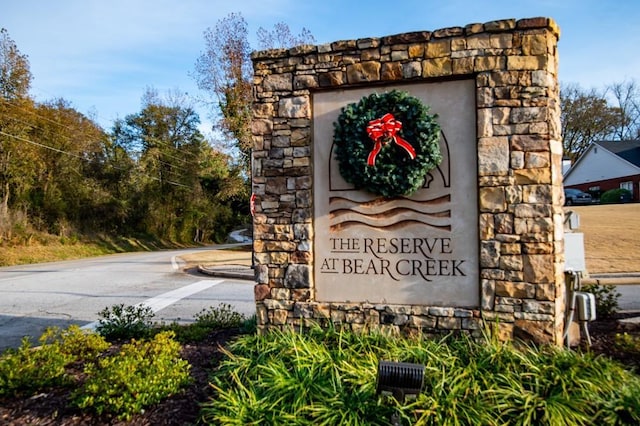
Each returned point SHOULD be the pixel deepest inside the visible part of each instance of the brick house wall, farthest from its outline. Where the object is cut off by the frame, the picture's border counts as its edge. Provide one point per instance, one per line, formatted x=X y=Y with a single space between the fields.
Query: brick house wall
x=606 y=185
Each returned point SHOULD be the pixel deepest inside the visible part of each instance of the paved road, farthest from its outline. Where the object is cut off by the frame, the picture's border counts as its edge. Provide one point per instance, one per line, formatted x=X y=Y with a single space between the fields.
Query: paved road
x=34 y=297
x=626 y=283
x=629 y=297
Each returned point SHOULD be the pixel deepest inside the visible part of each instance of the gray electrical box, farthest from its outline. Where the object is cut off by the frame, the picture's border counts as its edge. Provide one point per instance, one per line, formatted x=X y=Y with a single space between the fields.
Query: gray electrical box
x=574 y=252
x=586 y=304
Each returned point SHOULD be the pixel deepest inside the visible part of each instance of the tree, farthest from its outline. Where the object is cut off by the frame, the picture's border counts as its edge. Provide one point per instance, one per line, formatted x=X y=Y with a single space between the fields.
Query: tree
x=15 y=80
x=626 y=98
x=15 y=75
x=281 y=36
x=155 y=173
x=68 y=144
x=181 y=181
x=586 y=117
x=224 y=71
x=164 y=140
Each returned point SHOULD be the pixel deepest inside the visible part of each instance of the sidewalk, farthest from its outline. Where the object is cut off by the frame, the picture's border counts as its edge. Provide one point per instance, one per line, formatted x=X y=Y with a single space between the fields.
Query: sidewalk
x=619 y=278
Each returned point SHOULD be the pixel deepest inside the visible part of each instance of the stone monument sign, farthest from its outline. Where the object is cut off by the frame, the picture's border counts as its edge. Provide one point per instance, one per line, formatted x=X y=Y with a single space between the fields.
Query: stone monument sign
x=418 y=249
x=476 y=241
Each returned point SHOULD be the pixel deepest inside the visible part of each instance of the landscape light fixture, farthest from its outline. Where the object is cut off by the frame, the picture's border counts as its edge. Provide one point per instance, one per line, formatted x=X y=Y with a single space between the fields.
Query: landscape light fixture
x=400 y=379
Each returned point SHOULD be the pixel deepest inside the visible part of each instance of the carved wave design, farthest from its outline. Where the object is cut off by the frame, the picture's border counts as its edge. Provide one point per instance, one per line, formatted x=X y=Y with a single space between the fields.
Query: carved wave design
x=380 y=205
x=393 y=226
x=389 y=214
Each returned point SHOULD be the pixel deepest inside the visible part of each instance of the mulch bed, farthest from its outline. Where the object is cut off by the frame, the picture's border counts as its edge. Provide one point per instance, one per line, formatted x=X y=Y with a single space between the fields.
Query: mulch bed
x=603 y=333
x=50 y=408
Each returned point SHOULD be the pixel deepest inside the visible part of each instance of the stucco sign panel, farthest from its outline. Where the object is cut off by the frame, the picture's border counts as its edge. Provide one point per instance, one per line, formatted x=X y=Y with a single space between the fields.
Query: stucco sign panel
x=417 y=249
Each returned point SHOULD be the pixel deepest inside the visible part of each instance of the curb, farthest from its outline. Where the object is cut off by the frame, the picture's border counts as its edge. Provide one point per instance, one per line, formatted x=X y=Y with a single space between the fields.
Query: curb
x=616 y=275
x=624 y=278
x=240 y=272
x=629 y=324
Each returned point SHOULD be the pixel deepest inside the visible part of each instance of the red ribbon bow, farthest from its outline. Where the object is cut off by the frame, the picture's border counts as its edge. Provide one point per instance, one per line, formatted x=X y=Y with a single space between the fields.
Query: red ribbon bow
x=383 y=130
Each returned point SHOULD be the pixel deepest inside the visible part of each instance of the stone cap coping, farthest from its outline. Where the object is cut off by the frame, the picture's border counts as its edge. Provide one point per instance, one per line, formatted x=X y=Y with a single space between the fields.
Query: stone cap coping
x=502 y=25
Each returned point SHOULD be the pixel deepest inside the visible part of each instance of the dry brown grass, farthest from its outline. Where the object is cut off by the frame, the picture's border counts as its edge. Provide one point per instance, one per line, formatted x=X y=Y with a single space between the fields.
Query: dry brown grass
x=38 y=253
x=611 y=237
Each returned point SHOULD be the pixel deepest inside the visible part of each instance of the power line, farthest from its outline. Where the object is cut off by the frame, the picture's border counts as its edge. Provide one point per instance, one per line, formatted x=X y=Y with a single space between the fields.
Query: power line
x=37 y=115
x=159 y=142
x=34 y=113
x=182 y=160
x=41 y=145
x=80 y=157
x=173 y=166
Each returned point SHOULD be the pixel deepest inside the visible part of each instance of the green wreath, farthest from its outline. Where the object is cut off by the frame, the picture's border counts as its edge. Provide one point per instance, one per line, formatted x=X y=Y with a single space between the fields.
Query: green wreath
x=386 y=143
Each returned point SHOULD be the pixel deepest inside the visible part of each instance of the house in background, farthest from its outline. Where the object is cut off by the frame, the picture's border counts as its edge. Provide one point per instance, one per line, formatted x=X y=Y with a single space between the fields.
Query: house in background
x=607 y=165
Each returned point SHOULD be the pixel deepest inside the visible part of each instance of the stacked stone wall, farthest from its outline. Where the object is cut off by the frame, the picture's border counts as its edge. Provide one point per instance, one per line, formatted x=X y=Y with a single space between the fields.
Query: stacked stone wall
x=514 y=64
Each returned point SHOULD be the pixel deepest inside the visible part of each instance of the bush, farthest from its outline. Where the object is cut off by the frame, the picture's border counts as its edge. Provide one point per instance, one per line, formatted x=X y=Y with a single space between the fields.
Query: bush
x=79 y=344
x=606 y=299
x=222 y=316
x=206 y=321
x=628 y=343
x=28 y=370
x=125 y=322
x=614 y=196
x=141 y=374
x=250 y=325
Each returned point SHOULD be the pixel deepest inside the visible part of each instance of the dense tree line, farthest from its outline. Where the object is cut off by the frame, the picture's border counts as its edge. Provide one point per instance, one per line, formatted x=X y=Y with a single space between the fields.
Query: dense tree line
x=153 y=173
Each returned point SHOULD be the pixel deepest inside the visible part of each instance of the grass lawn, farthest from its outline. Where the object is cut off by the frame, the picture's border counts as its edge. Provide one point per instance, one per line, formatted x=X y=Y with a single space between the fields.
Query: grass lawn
x=611 y=237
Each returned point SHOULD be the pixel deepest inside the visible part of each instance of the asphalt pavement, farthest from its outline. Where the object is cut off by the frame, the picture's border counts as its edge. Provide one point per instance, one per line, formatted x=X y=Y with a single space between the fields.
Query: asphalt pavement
x=34 y=297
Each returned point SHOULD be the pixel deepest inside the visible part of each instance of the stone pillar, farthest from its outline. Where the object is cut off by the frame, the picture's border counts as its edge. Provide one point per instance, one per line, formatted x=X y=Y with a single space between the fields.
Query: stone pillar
x=513 y=66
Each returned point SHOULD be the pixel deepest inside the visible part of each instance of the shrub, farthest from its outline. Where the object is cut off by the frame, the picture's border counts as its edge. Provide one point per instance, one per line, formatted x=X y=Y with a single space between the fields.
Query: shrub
x=141 y=374
x=207 y=320
x=75 y=342
x=616 y=196
x=628 y=343
x=249 y=325
x=606 y=299
x=28 y=370
x=222 y=316
x=125 y=322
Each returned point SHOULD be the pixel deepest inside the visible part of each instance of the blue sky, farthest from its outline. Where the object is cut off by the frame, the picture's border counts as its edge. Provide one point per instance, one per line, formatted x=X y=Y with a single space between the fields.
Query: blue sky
x=101 y=55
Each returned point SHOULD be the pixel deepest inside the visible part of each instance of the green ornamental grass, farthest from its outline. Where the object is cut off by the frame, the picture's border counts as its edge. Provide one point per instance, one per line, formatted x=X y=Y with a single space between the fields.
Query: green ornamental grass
x=329 y=378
